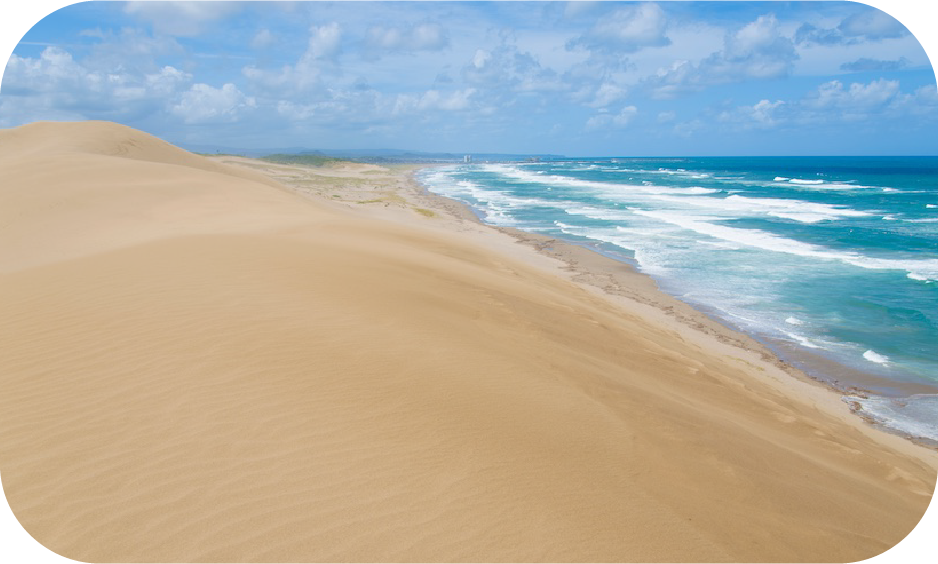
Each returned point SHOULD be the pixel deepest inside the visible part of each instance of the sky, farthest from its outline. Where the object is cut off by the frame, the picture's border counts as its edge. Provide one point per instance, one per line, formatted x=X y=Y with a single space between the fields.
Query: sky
x=570 y=78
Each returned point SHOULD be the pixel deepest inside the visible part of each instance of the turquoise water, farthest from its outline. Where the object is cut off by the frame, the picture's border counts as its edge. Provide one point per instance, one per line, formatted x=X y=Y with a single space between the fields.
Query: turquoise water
x=836 y=255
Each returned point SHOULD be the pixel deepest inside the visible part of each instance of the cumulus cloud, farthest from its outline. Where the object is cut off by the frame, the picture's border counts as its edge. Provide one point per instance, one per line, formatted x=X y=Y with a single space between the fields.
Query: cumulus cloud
x=320 y=56
x=421 y=37
x=921 y=103
x=433 y=100
x=626 y=30
x=755 y=51
x=833 y=95
x=506 y=68
x=606 y=95
x=835 y=102
x=204 y=104
x=618 y=120
x=764 y=114
x=55 y=83
x=868 y=25
x=872 y=24
x=865 y=64
x=323 y=42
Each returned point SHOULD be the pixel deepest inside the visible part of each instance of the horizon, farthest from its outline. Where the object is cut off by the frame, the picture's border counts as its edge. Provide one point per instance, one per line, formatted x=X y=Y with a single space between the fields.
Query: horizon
x=635 y=80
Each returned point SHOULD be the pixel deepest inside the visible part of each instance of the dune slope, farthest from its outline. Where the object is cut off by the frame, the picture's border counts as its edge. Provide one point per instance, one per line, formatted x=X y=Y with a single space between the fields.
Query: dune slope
x=199 y=366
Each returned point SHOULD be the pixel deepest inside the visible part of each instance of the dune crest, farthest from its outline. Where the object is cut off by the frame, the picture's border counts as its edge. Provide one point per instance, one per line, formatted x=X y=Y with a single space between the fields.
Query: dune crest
x=198 y=366
x=77 y=188
x=45 y=139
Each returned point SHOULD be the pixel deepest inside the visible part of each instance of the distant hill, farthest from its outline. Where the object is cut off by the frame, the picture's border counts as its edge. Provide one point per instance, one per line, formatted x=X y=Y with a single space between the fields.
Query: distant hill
x=366 y=155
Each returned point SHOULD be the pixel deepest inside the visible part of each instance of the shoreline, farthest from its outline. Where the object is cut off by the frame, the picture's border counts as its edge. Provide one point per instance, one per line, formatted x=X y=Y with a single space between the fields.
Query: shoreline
x=284 y=363
x=623 y=284
x=617 y=278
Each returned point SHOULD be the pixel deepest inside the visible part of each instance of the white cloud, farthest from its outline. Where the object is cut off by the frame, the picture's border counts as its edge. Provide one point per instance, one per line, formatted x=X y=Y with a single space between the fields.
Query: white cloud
x=167 y=81
x=606 y=95
x=422 y=37
x=263 y=38
x=868 y=25
x=755 y=51
x=833 y=102
x=204 y=104
x=433 y=100
x=323 y=42
x=606 y=120
x=857 y=97
x=322 y=48
x=872 y=24
x=866 y=64
x=626 y=30
x=55 y=84
x=504 y=69
x=764 y=114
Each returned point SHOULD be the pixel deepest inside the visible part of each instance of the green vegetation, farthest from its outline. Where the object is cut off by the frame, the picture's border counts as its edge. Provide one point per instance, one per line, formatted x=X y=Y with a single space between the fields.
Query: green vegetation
x=309 y=160
x=425 y=212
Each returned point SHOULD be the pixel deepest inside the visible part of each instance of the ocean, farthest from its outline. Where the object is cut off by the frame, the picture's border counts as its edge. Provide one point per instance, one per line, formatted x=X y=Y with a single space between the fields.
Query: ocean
x=836 y=257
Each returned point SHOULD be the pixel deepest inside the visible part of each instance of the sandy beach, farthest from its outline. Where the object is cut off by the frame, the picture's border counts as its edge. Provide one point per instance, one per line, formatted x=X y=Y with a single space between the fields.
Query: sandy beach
x=226 y=359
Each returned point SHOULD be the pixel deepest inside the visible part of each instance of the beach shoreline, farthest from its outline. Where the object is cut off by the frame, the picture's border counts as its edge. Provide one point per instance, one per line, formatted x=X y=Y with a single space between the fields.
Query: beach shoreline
x=622 y=279
x=839 y=386
x=230 y=359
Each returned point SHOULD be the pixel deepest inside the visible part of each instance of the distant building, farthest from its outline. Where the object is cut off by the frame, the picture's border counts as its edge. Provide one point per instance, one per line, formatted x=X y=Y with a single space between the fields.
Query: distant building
x=467 y=159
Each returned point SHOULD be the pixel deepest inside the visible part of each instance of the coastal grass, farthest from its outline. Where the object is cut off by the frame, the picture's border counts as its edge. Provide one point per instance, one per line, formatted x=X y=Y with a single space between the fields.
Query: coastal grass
x=306 y=160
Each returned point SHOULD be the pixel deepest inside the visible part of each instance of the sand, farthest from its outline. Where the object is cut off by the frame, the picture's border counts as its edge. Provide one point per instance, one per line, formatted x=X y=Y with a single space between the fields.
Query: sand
x=228 y=360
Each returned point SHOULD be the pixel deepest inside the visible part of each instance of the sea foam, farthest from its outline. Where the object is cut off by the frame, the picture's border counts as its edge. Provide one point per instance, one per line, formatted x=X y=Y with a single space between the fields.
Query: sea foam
x=796 y=210
x=927 y=268
x=913 y=415
x=873 y=356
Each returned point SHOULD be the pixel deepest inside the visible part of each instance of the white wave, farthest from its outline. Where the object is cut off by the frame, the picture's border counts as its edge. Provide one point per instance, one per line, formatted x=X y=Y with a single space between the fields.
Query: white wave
x=931 y=206
x=873 y=356
x=802 y=181
x=914 y=415
x=829 y=186
x=890 y=190
x=609 y=188
x=743 y=206
x=794 y=321
x=780 y=179
x=758 y=239
x=802 y=340
x=599 y=213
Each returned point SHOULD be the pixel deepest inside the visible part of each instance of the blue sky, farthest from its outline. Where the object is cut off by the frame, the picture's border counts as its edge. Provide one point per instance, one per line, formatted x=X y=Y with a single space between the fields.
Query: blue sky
x=574 y=78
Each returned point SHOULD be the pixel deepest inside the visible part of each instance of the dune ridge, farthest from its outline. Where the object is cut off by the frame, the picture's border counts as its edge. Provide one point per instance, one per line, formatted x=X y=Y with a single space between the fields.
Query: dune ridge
x=200 y=365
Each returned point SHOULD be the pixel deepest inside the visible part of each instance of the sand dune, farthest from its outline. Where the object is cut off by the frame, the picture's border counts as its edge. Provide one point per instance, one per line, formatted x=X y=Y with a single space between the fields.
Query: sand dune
x=199 y=365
